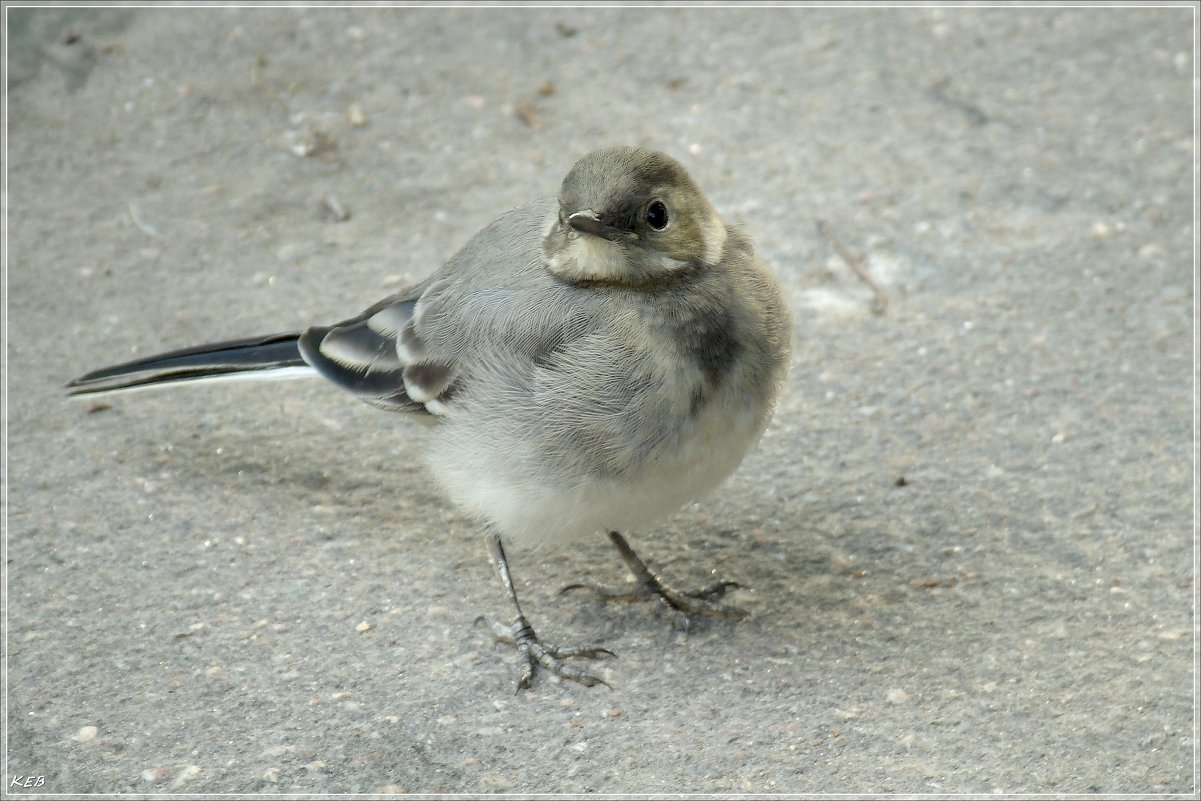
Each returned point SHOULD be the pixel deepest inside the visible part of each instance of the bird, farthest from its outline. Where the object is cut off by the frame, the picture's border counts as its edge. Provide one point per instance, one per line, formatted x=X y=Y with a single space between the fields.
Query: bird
x=589 y=364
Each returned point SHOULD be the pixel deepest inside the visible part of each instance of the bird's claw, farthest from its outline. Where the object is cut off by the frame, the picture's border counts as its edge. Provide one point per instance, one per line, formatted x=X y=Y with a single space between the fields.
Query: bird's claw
x=537 y=654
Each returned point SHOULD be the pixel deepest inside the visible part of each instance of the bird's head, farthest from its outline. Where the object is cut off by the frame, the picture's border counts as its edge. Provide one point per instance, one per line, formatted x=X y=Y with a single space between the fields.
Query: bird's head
x=631 y=217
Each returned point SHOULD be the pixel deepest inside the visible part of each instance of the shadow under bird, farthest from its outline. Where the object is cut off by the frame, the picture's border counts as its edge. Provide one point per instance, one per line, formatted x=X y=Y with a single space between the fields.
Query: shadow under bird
x=590 y=364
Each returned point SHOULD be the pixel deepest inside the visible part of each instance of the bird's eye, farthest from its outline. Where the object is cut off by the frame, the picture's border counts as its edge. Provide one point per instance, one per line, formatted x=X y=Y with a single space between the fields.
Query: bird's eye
x=656 y=215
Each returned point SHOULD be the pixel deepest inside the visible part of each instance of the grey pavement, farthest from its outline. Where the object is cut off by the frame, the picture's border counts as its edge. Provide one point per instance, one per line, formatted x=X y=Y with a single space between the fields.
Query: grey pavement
x=968 y=538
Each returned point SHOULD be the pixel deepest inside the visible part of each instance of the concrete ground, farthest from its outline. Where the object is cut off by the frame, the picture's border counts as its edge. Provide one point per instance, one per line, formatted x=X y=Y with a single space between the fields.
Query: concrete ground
x=968 y=537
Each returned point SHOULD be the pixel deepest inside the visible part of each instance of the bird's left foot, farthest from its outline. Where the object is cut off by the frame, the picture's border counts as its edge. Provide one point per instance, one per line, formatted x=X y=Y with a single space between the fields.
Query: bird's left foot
x=681 y=606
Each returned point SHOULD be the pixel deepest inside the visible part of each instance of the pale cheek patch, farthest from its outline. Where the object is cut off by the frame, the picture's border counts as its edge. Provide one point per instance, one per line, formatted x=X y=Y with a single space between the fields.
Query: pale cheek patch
x=714 y=236
x=667 y=264
x=591 y=258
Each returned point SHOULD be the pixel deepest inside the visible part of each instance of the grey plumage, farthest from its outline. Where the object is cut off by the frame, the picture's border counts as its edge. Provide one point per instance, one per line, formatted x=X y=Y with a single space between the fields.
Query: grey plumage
x=592 y=362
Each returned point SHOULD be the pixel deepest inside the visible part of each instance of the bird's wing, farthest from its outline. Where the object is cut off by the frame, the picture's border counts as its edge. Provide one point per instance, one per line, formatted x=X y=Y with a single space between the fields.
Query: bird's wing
x=492 y=302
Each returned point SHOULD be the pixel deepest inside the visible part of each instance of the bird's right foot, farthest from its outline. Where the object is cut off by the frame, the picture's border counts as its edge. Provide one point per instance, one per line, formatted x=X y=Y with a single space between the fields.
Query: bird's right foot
x=537 y=654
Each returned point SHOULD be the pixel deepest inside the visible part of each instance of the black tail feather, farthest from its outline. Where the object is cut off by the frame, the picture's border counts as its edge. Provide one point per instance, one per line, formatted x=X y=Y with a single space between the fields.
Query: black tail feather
x=218 y=359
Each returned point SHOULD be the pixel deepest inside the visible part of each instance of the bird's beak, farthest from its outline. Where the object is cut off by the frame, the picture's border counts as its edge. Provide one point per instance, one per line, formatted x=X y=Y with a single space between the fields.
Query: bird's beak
x=589 y=222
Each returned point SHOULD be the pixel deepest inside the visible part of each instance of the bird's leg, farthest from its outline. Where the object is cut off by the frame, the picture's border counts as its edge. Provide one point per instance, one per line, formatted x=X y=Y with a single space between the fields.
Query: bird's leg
x=648 y=585
x=521 y=634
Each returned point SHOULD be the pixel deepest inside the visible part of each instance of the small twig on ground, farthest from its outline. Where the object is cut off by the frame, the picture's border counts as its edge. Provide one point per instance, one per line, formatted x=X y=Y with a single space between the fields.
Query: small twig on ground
x=881 y=299
x=525 y=110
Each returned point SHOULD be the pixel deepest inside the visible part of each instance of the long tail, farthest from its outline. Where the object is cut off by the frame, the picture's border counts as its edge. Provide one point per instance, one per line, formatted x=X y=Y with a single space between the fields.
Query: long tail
x=275 y=356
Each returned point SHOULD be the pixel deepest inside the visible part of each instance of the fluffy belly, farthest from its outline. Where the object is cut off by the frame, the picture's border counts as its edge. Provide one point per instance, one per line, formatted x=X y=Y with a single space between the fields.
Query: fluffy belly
x=501 y=483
